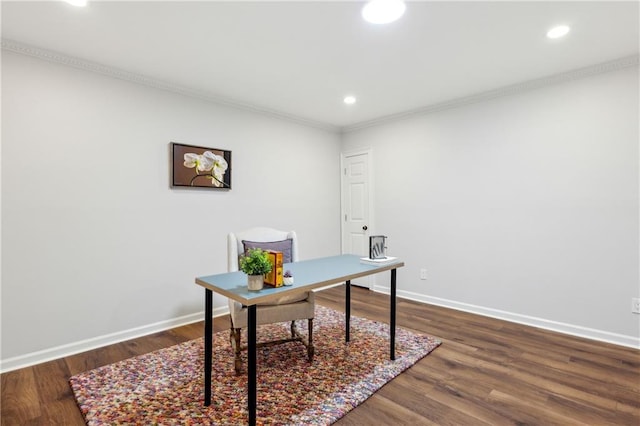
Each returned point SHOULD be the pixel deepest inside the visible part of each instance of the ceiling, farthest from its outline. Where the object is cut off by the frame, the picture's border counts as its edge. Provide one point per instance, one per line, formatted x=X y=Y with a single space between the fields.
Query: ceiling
x=300 y=58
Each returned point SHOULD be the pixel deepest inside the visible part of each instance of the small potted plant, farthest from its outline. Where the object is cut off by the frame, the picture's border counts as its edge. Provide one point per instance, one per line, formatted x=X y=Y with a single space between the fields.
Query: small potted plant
x=255 y=264
x=287 y=278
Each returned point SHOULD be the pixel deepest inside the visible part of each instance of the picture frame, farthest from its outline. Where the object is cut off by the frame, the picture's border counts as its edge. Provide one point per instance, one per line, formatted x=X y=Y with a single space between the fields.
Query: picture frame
x=377 y=247
x=195 y=166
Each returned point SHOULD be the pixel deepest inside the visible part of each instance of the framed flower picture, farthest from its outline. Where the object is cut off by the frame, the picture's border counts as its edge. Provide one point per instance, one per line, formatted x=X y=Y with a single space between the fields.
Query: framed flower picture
x=200 y=167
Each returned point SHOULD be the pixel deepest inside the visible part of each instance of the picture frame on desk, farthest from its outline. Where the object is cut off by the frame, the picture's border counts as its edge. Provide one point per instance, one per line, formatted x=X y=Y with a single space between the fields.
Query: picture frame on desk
x=195 y=166
x=377 y=247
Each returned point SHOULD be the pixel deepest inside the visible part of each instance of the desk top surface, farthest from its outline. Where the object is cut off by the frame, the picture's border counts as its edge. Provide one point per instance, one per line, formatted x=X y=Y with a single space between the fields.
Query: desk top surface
x=307 y=274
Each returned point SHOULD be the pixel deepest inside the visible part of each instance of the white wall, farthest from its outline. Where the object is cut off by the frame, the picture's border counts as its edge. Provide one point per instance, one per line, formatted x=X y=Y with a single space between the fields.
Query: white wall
x=95 y=244
x=523 y=207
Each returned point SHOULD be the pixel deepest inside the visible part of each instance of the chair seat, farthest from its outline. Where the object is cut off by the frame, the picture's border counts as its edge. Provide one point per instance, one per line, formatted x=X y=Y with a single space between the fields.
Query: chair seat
x=267 y=314
x=285 y=300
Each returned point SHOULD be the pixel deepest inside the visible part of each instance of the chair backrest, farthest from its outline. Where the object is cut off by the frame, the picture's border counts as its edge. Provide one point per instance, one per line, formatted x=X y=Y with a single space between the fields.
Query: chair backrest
x=235 y=246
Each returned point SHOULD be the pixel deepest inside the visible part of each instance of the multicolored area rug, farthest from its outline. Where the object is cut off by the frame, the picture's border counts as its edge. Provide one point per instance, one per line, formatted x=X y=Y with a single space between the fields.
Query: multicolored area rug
x=166 y=387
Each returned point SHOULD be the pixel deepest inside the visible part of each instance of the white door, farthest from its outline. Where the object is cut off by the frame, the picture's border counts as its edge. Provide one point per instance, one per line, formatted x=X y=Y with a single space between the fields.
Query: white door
x=356 y=207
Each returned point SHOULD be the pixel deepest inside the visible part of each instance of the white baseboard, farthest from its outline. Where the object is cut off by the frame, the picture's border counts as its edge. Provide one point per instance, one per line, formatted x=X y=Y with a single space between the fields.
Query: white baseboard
x=50 y=354
x=46 y=355
x=573 y=330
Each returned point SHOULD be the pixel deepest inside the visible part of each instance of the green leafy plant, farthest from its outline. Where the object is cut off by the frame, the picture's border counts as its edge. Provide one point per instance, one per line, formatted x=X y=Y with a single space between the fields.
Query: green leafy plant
x=255 y=262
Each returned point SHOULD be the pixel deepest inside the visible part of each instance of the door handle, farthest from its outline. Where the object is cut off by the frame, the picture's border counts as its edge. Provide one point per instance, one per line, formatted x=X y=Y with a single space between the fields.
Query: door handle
x=364 y=228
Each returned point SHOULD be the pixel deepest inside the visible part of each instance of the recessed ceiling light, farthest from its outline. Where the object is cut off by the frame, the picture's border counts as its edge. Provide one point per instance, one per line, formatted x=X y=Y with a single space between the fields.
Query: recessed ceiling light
x=78 y=3
x=559 y=31
x=349 y=100
x=383 y=11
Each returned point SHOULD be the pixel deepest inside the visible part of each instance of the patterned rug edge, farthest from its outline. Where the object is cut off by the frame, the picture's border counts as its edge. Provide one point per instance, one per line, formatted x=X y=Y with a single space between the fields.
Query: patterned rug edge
x=348 y=398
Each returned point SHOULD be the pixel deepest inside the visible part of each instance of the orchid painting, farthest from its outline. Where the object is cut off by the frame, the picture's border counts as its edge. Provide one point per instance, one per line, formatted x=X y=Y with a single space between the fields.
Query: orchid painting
x=201 y=167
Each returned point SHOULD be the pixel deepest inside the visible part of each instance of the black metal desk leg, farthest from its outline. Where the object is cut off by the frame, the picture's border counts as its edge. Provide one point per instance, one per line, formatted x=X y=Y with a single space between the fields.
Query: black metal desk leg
x=208 y=344
x=347 y=310
x=252 y=370
x=392 y=320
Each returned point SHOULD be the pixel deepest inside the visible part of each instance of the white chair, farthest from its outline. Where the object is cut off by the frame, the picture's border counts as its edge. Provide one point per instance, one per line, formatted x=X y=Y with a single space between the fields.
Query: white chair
x=285 y=309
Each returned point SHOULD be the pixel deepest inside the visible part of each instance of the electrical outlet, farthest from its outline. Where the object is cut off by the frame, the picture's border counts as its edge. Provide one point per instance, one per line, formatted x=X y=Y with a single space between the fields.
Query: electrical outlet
x=635 y=305
x=423 y=274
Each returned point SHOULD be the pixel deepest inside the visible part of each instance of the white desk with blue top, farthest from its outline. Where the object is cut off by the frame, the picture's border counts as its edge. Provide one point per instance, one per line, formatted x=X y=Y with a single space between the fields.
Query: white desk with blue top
x=309 y=274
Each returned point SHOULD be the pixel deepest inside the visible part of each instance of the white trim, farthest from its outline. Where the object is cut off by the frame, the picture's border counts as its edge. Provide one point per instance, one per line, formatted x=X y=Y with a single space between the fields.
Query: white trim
x=57 y=352
x=50 y=354
x=86 y=65
x=60 y=58
x=617 y=64
x=560 y=327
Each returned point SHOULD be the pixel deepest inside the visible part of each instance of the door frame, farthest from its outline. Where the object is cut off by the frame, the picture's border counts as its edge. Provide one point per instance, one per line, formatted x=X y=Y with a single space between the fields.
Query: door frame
x=368 y=281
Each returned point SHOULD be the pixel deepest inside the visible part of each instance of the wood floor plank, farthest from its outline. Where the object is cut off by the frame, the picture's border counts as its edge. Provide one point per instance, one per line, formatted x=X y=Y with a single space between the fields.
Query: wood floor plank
x=421 y=400
x=379 y=410
x=20 y=403
x=532 y=411
x=486 y=371
x=55 y=395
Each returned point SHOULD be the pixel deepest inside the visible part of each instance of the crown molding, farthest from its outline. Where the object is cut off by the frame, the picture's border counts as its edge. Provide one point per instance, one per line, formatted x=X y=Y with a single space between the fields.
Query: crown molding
x=614 y=65
x=95 y=67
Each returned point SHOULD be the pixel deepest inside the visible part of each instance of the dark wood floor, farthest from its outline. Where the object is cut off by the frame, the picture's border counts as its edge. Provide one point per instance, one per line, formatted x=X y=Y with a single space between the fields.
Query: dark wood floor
x=486 y=372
